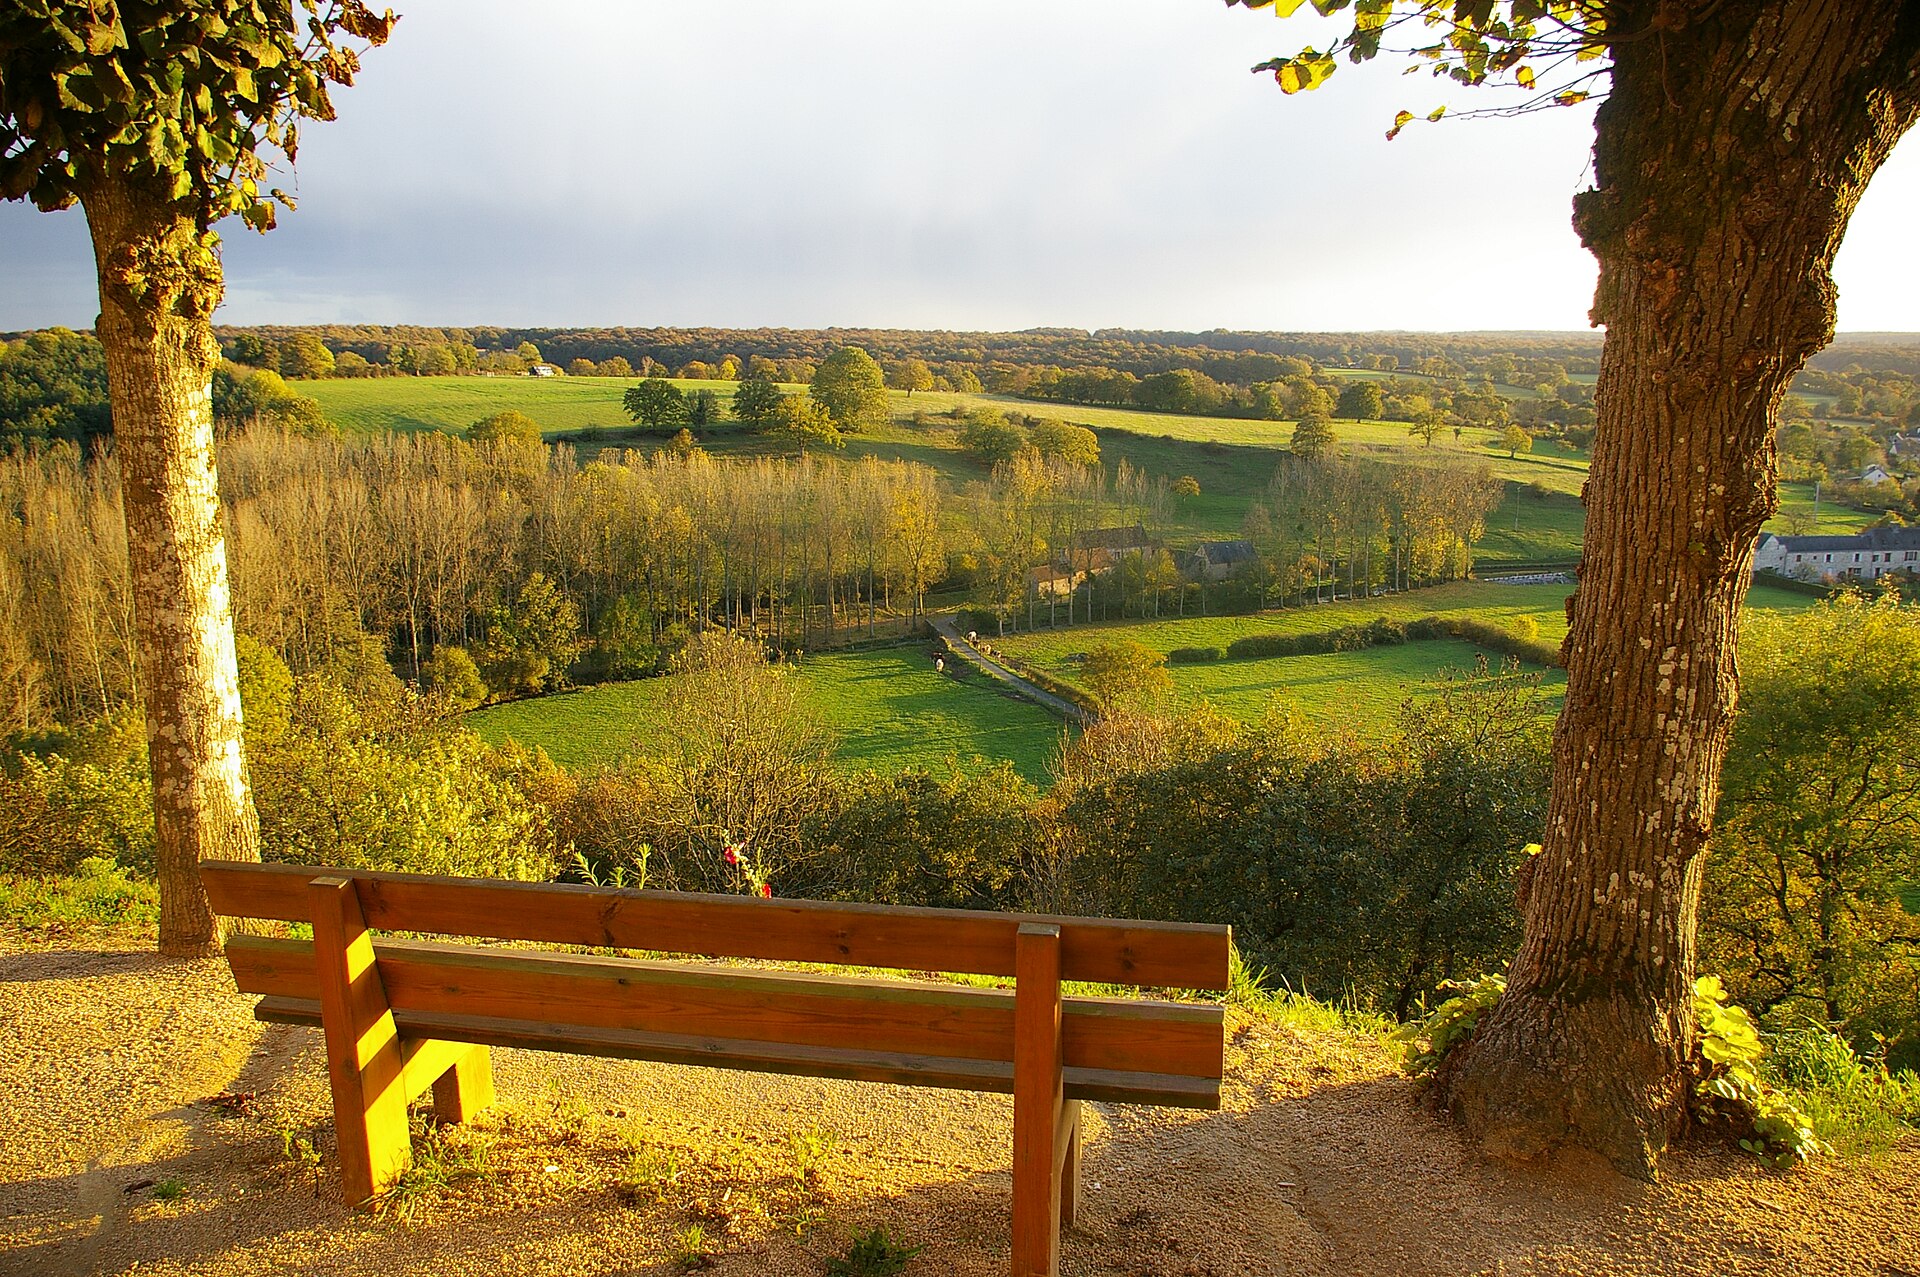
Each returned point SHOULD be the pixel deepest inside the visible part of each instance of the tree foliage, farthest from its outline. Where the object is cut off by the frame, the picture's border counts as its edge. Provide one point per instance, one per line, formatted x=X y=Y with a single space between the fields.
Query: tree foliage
x=804 y=423
x=853 y=390
x=1468 y=42
x=1359 y=401
x=191 y=99
x=1819 y=822
x=756 y=401
x=657 y=404
x=53 y=385
x=505 y=427
x=1313 y=437
x=1123 y=673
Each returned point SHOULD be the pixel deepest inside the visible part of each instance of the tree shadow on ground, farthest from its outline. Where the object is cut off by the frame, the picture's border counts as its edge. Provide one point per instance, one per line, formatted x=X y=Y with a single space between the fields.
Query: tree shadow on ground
x=1306 y=1170
x=28 y=966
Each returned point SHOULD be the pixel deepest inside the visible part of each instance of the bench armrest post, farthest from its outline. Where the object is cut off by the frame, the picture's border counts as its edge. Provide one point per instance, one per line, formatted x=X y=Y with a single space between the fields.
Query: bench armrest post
x=1038 y=1101
x=365 y=1066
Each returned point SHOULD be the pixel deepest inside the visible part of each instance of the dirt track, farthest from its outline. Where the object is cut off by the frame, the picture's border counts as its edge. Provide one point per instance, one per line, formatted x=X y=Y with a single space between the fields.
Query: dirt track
x=1319 y=1163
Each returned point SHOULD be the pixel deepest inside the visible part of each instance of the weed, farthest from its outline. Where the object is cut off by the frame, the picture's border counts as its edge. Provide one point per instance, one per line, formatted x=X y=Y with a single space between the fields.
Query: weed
x=169 y=1190
x=442 y=1160
x=874 y=1255
x=690 y=1248
x=1249 y=988
x=1768 y=1122
x=1425 y=1042
x=1854 y=1103
x=647 y=1175
x=808 y=1151
x=802 y=1220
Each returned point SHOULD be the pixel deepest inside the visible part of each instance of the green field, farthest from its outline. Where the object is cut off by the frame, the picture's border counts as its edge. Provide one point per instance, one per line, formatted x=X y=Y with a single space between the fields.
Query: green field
x=369 y=405
x=889 y=708
x=1359 y=690
x=1233 y=459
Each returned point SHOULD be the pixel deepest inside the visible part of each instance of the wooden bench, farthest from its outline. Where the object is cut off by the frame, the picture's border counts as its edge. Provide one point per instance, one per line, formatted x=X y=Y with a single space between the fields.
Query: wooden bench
x=401 y=1016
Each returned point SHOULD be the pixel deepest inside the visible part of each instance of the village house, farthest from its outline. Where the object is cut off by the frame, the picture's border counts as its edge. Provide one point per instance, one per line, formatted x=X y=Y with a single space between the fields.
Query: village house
x=1217 y=560
x=1864 y=556
x=1048 y=581
x=1110 y=545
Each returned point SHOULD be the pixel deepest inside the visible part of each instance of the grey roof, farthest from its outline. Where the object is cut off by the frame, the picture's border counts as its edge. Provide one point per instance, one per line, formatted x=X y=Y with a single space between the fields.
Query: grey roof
x=1111 y=538
x=1224 y=551
x=1874 y=539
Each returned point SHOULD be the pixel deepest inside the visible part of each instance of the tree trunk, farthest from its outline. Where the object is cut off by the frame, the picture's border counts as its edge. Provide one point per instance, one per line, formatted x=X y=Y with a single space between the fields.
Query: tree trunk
x=1729 y=155
x=159 y=282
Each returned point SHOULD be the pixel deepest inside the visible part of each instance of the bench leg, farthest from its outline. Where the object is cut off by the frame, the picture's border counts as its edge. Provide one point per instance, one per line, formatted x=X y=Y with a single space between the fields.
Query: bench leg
x=365 y=1066
x=466 y=1088
x=1038 y=1104
x=1067 y=1148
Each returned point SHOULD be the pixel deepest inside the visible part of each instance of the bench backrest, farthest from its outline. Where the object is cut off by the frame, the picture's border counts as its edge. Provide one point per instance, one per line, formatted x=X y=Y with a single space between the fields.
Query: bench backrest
x=1168 y=955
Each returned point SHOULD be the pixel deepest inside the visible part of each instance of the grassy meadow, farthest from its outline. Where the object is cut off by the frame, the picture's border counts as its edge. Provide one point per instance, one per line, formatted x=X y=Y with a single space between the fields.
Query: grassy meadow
x=1355 y=690
x=1541 y=517
x=888 y=707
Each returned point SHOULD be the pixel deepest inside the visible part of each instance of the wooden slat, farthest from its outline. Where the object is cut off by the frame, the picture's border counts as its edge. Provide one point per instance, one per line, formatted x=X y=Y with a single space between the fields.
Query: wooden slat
x=1176 y=955
x=693 y=1000
x=991 y=1076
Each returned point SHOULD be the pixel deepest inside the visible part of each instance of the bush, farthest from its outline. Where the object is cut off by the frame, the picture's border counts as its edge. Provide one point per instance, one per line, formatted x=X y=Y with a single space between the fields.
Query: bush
x=1192 y=655
x=393 y=787
x=1527 y=646
x=99 y=893
x=68 y=798
x=451 y=674
x=961 y=841
x=1376 y=868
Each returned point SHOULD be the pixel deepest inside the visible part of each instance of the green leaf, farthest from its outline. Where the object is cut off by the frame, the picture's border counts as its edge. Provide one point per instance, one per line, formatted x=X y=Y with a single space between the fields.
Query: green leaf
x=1308 y=71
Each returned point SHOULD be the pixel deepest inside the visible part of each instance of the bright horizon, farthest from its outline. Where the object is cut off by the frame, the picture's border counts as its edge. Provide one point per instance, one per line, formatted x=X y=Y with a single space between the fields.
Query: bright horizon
x=991 y=167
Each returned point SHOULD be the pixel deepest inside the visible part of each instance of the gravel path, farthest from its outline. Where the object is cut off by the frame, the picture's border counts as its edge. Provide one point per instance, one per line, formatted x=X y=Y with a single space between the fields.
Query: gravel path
x=957 y=643
x=1319 y=1163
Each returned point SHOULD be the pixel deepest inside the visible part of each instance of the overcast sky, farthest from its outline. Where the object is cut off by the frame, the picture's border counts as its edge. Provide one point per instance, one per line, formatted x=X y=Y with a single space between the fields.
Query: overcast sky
x=986 y=164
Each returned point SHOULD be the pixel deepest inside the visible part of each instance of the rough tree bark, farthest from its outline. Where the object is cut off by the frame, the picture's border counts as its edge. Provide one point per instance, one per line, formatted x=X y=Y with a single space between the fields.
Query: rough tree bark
x=159 y=282
x=1734 y=144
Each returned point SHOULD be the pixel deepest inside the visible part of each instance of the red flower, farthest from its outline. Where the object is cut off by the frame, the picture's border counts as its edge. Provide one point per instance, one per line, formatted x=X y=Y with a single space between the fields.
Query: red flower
x=731 y=855
x=766 y=891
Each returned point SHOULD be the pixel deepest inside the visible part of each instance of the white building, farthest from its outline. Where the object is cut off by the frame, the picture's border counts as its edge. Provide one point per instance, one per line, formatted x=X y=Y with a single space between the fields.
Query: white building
x=1861 y=557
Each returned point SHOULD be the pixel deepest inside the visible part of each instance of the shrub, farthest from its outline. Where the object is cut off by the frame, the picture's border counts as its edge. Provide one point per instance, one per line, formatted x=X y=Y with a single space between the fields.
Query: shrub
x=1192 y=655
x=451 y=674
x=68 y=798
x=392 y=787
x=963 y=840
x=1384 y=631
x=98 y=893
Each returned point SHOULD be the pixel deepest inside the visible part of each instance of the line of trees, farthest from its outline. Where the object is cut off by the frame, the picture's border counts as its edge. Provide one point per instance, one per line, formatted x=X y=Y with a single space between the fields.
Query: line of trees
x=1352 y=527
x=431 y=542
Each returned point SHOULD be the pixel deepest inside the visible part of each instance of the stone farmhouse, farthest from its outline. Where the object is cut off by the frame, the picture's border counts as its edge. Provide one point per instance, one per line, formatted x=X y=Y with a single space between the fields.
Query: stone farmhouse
x=1217 y=560
x=1864 y=556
